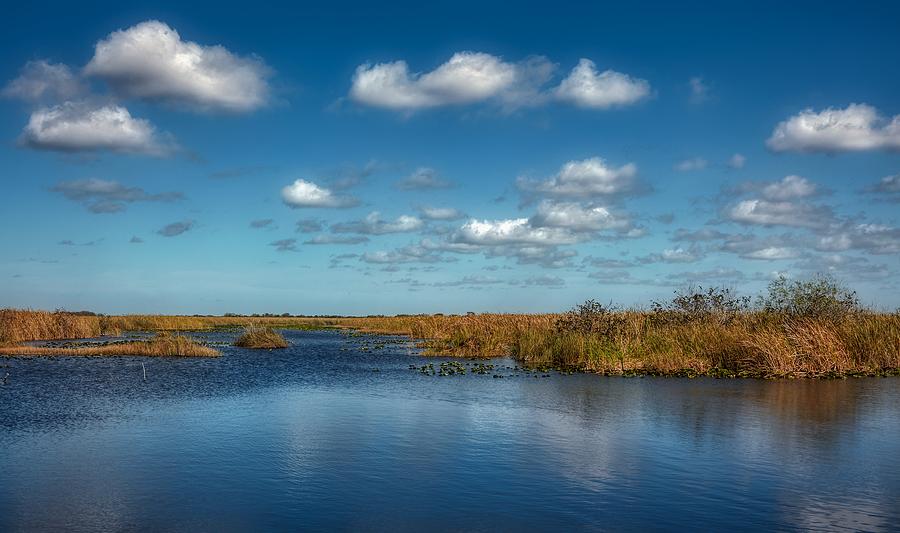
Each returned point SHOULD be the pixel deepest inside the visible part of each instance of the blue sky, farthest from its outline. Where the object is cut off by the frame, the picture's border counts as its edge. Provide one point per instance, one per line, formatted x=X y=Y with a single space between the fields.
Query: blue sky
x=354 y=158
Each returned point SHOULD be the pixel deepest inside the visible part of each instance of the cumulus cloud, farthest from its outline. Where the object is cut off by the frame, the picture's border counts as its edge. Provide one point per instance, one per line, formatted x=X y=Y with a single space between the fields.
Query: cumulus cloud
x=42 y=81
x=585 y=87
x=585 y=179
x=694 y=163
x=374 y=224
x=674 y=255
x=151 y=61
x=83 y=127
x=176 y=228
x=423 y=178
x=510 y=231
x=871 y=238
x=441 y=213
x=136 y=240
x=857 y=127
x=304 y=193
x=769 y=248
x=789 y=188
x=779 y=213
x=467 y=77
x=577 y=217
x=108 y=196
x=730 y=274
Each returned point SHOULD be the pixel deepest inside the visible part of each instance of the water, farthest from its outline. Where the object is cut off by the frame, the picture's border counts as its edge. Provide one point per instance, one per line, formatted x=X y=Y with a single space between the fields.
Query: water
x=313 y=437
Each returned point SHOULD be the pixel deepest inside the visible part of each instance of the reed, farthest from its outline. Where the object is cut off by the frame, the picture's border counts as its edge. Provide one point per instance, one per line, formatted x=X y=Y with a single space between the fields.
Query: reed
x=261 y=337
x=163 y=345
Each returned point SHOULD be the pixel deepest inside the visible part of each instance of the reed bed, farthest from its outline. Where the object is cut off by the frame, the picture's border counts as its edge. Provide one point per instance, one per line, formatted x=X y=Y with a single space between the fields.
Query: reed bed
x=261 y=337
x=163 y=345
x=798 y=328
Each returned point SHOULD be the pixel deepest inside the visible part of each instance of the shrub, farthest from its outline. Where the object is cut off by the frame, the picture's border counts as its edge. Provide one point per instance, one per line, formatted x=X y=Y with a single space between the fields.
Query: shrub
x=693 y=304
x=820 y=297
x=591 y=318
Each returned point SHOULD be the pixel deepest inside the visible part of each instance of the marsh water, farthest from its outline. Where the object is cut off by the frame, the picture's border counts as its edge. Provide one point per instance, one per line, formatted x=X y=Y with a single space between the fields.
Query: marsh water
x=339 y=432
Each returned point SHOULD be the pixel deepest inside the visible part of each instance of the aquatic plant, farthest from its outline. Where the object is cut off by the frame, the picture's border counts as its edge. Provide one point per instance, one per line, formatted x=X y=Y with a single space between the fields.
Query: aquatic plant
x=261 y=337
x=162 y=345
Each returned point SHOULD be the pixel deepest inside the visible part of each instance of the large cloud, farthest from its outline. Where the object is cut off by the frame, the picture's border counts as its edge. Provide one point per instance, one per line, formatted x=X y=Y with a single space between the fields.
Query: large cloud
x=586 y=88
x=768 y=213
x=510 y=231
x=858 y=127
x=81 y=126
x=584 y=179
x=41 y=81
x=304 y=193
x=107 y=196
x=467 y=77
x=150 y=61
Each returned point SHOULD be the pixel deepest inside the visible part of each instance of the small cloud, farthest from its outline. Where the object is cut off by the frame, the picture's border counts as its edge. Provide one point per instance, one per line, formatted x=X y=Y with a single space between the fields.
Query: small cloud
x=586 y=178
x=423 y=178
x=261 y=223
x=306 y=194
x=737 y=161
x=285 y=245
x=42 y=81
x=108 y=196
x=308 y=225
x=699 y=90
x=441 y=213
x=373 y=224
x=585 y=87
x=688 y=165
x=136 y=240
x=337 y=239
x=66 y=243
x=176 y=228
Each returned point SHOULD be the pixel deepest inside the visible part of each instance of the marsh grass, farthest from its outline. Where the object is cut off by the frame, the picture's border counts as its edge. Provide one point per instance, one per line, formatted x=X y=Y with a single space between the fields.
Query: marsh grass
x=797 y=329
x=162 y=345
x=261 y=337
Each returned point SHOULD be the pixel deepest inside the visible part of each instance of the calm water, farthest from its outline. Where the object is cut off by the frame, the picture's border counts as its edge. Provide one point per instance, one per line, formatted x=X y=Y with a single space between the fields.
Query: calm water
x=314 y=437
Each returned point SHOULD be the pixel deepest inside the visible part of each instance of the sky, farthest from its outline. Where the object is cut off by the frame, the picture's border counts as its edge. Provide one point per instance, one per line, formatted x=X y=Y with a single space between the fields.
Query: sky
x=354 y=158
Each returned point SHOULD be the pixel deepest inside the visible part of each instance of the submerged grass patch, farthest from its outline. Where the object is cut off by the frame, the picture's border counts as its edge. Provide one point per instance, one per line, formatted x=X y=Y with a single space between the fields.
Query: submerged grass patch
x=162 y=345
x=261 y=337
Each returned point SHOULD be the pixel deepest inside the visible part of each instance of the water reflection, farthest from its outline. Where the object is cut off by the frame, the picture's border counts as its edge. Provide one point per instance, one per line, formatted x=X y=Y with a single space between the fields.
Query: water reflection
x=312 y=437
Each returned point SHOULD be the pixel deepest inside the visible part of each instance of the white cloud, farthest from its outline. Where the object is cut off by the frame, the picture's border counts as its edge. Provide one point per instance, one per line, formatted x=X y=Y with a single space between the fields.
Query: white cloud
x=771 y=253
x=856 y=128
x=336 y=239
x=423 y=178
x=466 y=78
x=510 y=231
x=687 y=165
x=577 y=217
x=789 y=188
x=585 y=179
x=373 y=224
x=779 y=213
x=79 y=126
x=441 y=213
x=870 y=238
x=586 y=88
x=44 y=81
x=737 y=161
x=407 y=254
x=150 y=61
x=304 y=193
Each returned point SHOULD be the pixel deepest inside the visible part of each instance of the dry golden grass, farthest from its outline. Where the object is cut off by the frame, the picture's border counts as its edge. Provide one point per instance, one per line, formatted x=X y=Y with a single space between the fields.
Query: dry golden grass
x=163 y=345
x=260 y=337
x=750 y=343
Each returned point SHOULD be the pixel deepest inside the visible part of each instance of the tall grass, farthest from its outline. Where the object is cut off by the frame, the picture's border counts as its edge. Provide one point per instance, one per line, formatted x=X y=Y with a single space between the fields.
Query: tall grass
x=259 y=337
x=798 y=328
x=163 y=345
